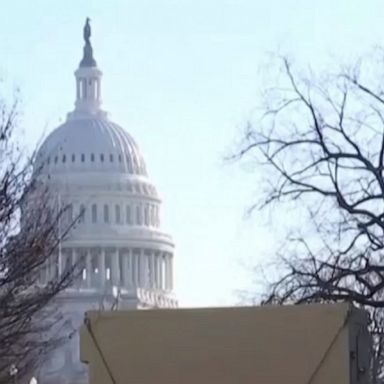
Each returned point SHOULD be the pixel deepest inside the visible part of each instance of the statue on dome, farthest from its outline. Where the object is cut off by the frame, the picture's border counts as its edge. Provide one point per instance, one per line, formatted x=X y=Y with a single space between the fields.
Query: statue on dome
x=87 y=31
x=88 y=60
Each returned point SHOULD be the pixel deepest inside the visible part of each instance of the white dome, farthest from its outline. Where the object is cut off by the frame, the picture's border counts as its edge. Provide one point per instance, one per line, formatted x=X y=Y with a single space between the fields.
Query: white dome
x=91 y=144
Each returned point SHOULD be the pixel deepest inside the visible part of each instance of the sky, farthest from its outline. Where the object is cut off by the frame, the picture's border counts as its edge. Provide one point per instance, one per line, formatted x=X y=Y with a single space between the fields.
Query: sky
x=183 y=77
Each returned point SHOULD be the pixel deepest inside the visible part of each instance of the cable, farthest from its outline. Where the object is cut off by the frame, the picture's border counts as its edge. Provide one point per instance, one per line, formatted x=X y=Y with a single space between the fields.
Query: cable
x=332 y=343
x=87 y=323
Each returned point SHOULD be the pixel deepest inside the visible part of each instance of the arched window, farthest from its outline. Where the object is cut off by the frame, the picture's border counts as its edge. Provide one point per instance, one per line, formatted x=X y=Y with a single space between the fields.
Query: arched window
x=117 y=214
x=139 y=218
x=56 y=158
x=70 y=213
x=146 y=215
x=82 y=213
x=153 y=221
x=82 y=157
x=106 y=213
x=102 y=157
x=92 y=157
x=120 y=159
x=64 y=158
x=157 y=220
x=111 y=158
x=73 y=157
x=94 y=213
x=128 y=217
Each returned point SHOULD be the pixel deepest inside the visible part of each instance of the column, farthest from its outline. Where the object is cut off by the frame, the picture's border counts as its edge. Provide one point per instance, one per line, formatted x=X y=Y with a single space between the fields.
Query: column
x=170 y=271
x=76 y=268
x=124 y=265
x=98 y=89
x=115 y=268
x=43 y=274
x=142 y=277
x=161 y=270
x=59 y=261
x=133 y=273
x=72 y=255
x=83 y=266
x=157 y=270
x=128 y=269
x=51 y=267
x=152 y=270
x=137 y=269
x=166 y=257
x=89 y=273
x=102 y=267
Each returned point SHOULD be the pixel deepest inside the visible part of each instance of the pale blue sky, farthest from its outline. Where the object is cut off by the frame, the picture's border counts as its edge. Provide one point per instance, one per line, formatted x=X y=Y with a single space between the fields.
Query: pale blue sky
x=182 y=76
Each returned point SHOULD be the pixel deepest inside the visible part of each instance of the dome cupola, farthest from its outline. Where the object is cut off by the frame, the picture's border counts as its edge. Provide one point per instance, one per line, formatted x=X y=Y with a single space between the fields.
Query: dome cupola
x=88 y=141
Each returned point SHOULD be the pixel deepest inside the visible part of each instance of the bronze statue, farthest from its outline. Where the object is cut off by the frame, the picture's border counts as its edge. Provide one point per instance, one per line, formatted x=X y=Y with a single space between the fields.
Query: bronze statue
x=87 y=31
x=88 y=60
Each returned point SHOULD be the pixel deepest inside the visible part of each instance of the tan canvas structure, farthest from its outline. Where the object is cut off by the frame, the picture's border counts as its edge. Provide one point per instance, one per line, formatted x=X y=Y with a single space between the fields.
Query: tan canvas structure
x=318 y=344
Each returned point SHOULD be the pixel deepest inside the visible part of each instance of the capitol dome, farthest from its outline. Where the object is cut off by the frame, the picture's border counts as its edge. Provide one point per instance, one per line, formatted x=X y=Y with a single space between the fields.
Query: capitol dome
x=91 y=144
x=94 y=169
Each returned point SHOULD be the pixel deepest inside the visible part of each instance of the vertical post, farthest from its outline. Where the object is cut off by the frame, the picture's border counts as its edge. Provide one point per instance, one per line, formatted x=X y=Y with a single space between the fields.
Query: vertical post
x=115 y=273
x=161 y=269
x=170 y=271
x=102 y=267
x=133 y=261
x=76 y=265
x=130 y=268
x=89 y=268
x=157 y=271
x=166 y=272
x=142 y=269
x=152 y=271
x=126 y=268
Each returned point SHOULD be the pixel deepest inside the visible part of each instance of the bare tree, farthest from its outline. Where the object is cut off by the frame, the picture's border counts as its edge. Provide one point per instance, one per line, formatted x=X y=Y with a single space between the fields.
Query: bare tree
x=29 y=239
x=321 y=141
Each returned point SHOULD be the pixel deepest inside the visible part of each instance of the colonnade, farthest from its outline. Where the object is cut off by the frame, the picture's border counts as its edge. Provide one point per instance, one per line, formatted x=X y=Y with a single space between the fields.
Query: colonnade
x=102 y=267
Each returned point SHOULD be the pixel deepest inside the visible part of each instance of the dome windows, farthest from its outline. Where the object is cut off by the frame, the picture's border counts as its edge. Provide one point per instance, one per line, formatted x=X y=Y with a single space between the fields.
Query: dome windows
x=146 y=216
x=139 y=215
x=69 y=209
x=82 y=213
x=128 y=217
x=92 y=158
x=94 y=213
x=106 y=213
x=123 y=164
x=117 y=214
x=107 y=141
